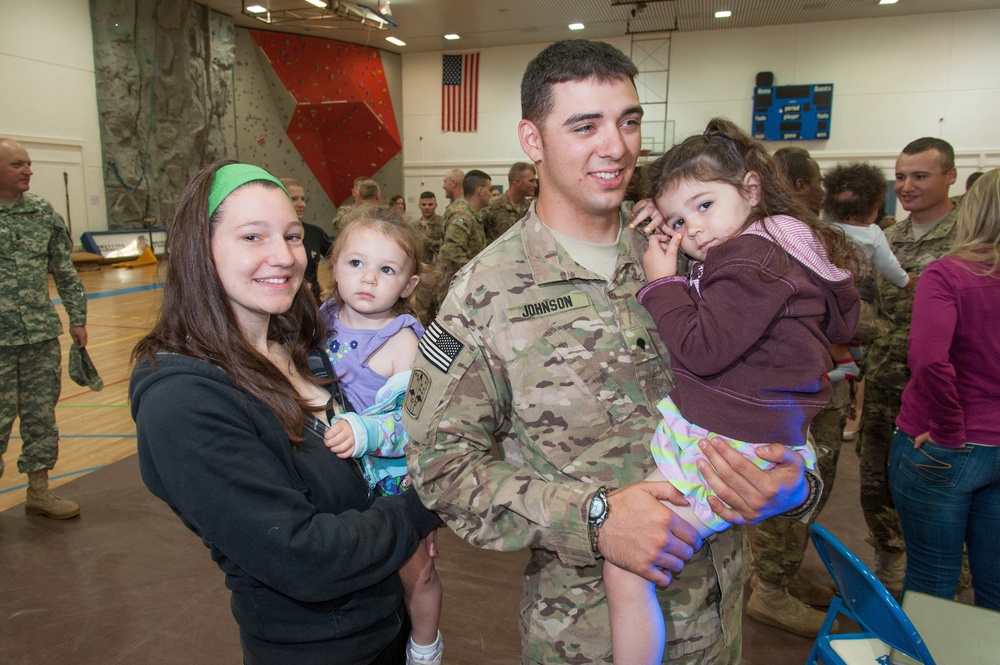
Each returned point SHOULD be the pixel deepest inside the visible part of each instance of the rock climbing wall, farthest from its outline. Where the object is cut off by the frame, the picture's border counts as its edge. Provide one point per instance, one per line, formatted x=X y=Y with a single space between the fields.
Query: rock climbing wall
x=164 y=76
x=341 y=117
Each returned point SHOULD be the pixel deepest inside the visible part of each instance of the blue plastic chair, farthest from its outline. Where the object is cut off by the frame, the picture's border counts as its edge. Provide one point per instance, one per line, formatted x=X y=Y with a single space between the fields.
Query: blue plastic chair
x=864 y=599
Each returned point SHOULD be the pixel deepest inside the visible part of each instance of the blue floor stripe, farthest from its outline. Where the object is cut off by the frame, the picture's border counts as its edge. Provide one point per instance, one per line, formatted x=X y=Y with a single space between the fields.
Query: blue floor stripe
x=61 y=475
x=117 y=292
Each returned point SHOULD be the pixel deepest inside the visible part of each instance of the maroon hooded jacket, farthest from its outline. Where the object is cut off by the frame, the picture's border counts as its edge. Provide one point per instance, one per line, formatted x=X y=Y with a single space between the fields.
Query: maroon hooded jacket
x=749 y=332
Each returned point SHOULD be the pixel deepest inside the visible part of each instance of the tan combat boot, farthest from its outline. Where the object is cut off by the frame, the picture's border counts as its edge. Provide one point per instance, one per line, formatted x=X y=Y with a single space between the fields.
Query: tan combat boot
x=41 y=500
x=810 y=592
x=890 y=568
x=806 y=590
x=773 y=605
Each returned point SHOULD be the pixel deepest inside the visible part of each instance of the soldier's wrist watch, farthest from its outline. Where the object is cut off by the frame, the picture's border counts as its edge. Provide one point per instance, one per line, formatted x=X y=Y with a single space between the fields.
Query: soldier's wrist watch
x=597 y=516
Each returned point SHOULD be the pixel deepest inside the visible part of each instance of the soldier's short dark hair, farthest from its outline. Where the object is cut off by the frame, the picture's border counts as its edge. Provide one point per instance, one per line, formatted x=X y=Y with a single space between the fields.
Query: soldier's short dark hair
x=971 y=180
x=569 y=60
x=473 y=180
x=795 y=163
x=427 y=195
x=853 y=191
x=945 y=152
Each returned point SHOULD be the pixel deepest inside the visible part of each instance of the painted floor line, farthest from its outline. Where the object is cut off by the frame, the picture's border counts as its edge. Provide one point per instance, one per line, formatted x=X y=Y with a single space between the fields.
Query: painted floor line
x=118 y=292
x=90 y=406
x=57 y=477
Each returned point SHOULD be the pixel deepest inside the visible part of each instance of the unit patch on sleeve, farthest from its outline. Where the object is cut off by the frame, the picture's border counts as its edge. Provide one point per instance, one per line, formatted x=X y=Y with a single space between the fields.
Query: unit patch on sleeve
x=439 y=347
x=416 y=392
x=531 y=310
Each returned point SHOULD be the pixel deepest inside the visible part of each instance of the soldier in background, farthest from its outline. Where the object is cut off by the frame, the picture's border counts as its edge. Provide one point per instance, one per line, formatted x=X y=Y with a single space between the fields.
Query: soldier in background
x=367 y=193
x=432 y=226
x=348 y=205
x=508 y=208
x=463 y=235
x=533 y=398
x=452 y=184
x=780 y=596
x=33 y=241
x=313 y=237
x=925 y=171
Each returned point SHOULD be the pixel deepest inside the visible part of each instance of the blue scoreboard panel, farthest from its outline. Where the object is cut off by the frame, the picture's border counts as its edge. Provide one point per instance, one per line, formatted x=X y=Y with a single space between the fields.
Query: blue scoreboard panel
x=792 y=112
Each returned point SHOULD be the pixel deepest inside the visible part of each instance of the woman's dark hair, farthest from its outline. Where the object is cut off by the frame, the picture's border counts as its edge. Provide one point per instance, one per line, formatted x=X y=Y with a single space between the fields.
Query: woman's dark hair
x=853 y=191
x=725 y=153
x=196 y=317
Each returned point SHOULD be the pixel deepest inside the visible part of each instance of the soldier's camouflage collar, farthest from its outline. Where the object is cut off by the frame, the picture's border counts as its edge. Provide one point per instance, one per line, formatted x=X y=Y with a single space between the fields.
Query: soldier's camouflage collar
x=551 y=263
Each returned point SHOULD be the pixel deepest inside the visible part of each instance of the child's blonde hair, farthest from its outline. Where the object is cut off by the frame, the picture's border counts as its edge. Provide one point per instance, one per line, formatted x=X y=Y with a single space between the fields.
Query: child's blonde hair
x=725 y=153
x=389 y=223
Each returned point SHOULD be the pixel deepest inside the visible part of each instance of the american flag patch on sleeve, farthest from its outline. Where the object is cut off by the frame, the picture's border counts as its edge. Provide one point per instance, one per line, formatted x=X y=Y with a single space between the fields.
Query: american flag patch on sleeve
x=439 y=347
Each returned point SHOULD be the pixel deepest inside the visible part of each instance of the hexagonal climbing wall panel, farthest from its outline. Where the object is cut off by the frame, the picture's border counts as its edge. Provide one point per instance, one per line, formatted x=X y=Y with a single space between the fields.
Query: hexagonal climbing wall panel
x=343 y=123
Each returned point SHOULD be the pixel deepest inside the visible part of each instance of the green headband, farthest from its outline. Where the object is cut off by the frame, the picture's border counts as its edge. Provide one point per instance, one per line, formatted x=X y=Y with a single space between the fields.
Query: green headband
x=229 y=177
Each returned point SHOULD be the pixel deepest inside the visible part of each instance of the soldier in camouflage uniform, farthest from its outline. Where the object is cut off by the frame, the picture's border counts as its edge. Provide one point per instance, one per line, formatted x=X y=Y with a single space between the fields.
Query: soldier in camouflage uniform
x=366 y=193
x=924 y=173
x=431 y=226
x=463 y=235
x=535 y=392
x=508 y=208
x=33 y=241
x=779 y=544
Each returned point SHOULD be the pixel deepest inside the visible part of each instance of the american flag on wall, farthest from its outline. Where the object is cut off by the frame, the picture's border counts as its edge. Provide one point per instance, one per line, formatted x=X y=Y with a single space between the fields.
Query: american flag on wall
x=460 y=92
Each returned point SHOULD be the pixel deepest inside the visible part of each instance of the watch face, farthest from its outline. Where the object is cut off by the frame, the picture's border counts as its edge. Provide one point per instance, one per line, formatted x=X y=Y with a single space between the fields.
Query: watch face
x=598 y=507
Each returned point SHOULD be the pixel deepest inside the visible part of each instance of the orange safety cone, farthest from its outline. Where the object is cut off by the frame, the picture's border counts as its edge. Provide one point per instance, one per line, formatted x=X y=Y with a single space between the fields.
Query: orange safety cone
x=147 y=258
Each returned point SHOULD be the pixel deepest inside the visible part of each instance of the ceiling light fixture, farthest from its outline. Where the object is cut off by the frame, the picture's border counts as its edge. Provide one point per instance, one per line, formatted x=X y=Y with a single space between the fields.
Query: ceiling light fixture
x=576 y=26
x=887 y=2
x=397 y=42
x=725 y=13
x=452 y=37
x=321 y=13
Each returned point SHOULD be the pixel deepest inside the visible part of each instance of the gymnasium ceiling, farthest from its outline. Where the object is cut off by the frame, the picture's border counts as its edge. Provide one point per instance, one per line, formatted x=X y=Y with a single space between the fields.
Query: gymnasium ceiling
x=422 y=24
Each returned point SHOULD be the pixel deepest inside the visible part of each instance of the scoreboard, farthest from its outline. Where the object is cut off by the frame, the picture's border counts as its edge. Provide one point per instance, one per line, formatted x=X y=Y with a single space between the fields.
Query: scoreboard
x=792 y=112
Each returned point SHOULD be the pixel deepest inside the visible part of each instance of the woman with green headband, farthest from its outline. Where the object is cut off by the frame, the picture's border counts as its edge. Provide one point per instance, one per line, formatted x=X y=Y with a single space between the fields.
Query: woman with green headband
x=230 y=405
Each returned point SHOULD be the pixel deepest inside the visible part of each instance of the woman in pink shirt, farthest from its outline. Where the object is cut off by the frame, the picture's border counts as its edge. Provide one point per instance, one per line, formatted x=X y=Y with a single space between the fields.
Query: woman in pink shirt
x=944 y=463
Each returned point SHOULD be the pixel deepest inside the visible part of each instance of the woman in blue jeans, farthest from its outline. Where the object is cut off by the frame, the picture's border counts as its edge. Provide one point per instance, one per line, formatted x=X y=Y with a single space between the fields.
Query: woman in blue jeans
x=944 y=463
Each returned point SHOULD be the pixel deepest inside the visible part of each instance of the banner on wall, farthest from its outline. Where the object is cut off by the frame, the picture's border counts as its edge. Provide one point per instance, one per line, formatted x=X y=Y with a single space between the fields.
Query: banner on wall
x=460 y=92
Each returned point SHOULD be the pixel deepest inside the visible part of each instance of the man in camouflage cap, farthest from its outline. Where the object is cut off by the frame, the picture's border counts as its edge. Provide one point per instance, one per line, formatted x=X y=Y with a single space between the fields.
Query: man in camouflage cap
x=925 y=171
x=533 y=398
x=33 y=241
x=508 y=208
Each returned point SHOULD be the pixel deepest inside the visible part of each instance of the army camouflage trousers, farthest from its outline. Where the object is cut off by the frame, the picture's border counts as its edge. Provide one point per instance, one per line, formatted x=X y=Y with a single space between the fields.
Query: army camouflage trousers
x=30 y=377
x=702 y=607
x=878 y=421
x=779 y=544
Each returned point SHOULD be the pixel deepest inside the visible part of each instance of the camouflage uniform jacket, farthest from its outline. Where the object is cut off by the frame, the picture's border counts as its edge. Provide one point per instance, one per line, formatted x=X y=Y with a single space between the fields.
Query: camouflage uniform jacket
x=338 y=219
x=433 y=230
x=501 y=214
x=887 y=355
x=462 y=239
x=34 y=241
x=562 y=371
